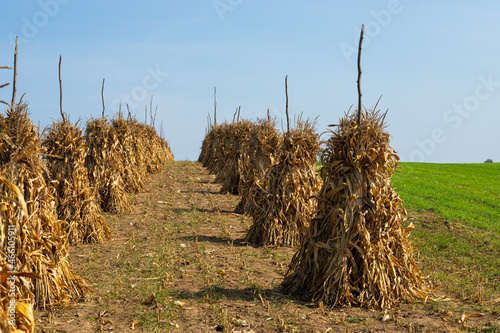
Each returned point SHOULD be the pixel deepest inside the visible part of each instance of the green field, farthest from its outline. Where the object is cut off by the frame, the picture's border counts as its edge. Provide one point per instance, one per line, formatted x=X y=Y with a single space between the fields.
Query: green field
x=457 y=192
x=456 y=212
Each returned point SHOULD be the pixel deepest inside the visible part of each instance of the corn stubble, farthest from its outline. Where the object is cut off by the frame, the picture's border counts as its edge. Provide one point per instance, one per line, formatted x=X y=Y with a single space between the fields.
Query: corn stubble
x=76 y=203
x=27 y=203
x=356 y=251
x=282 y=204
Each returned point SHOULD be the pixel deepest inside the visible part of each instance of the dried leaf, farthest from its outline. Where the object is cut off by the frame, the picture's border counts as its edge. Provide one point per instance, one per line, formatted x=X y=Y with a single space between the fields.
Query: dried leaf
x=180 y=303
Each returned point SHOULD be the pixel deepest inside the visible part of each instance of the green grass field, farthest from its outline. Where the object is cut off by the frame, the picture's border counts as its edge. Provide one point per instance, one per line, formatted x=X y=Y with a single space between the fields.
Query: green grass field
x=456 y=211
x=457 y=192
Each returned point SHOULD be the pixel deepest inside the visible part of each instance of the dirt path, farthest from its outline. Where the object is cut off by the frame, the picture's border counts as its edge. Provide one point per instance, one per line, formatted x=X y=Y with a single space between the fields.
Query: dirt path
x=178 y=263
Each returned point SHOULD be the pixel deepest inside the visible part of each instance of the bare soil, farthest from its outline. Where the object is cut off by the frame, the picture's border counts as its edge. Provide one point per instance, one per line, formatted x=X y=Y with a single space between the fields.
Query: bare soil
x=178 y=263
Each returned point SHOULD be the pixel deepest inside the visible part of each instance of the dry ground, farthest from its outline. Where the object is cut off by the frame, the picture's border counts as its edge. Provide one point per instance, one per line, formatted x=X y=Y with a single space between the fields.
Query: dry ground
x=178 y=263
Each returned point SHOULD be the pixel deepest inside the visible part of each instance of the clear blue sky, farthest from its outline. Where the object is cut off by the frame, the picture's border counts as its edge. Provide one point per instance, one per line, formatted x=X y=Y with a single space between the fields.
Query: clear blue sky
x=437 y=65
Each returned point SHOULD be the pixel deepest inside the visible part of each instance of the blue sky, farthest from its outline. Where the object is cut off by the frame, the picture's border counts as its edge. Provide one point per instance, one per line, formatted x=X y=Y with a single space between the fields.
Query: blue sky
x=436 y=65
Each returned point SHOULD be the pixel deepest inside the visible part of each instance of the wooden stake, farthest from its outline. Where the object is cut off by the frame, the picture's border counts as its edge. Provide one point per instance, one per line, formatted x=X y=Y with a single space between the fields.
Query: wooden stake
x=129 y=114
x=215 y=106
x=234 y=115
x=14 y=81
x=5 y=84
x=286 y=107
x=268 y=114
x=359 y=73
x=151 y=111
x=60 y=92
x=102 y=97
x=239 y=110
x=154 y=117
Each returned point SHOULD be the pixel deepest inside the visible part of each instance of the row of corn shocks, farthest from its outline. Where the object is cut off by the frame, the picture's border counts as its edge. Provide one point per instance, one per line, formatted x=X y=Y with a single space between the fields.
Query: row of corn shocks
x=344 y=220
x=54 y=187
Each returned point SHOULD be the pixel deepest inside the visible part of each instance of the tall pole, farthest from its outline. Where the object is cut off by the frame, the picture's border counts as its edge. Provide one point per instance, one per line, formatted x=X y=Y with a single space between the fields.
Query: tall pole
x=14 y=85
x=60 y=91
x=286 y=106
x=215 y=106
x=359 y=74
x=102 y=97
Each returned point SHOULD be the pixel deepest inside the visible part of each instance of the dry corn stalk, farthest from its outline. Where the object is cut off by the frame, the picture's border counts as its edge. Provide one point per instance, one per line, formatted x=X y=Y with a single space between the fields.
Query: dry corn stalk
x=28 y=206
x=356 y=251
x=283 y=202
x=76 y=203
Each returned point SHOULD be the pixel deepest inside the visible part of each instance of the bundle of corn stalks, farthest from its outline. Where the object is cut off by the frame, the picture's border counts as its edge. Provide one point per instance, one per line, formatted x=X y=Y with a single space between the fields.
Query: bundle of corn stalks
x=28 y=208
x=205 y=153
x=258 y=154
x=157 y=151
x=237 y=134
x=283 y=202
x=131 y=151
x=165 y=153
x=16 y=299
x=105 y=166
x=216 y=149
x=211 y=149
x=356 y=251
x=76 y=203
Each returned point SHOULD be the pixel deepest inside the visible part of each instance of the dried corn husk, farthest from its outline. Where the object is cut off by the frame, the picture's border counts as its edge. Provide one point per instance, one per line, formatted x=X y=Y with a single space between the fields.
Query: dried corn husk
x=22 y=320
x=356 y=251
x=76 y=203
x=283 y=202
